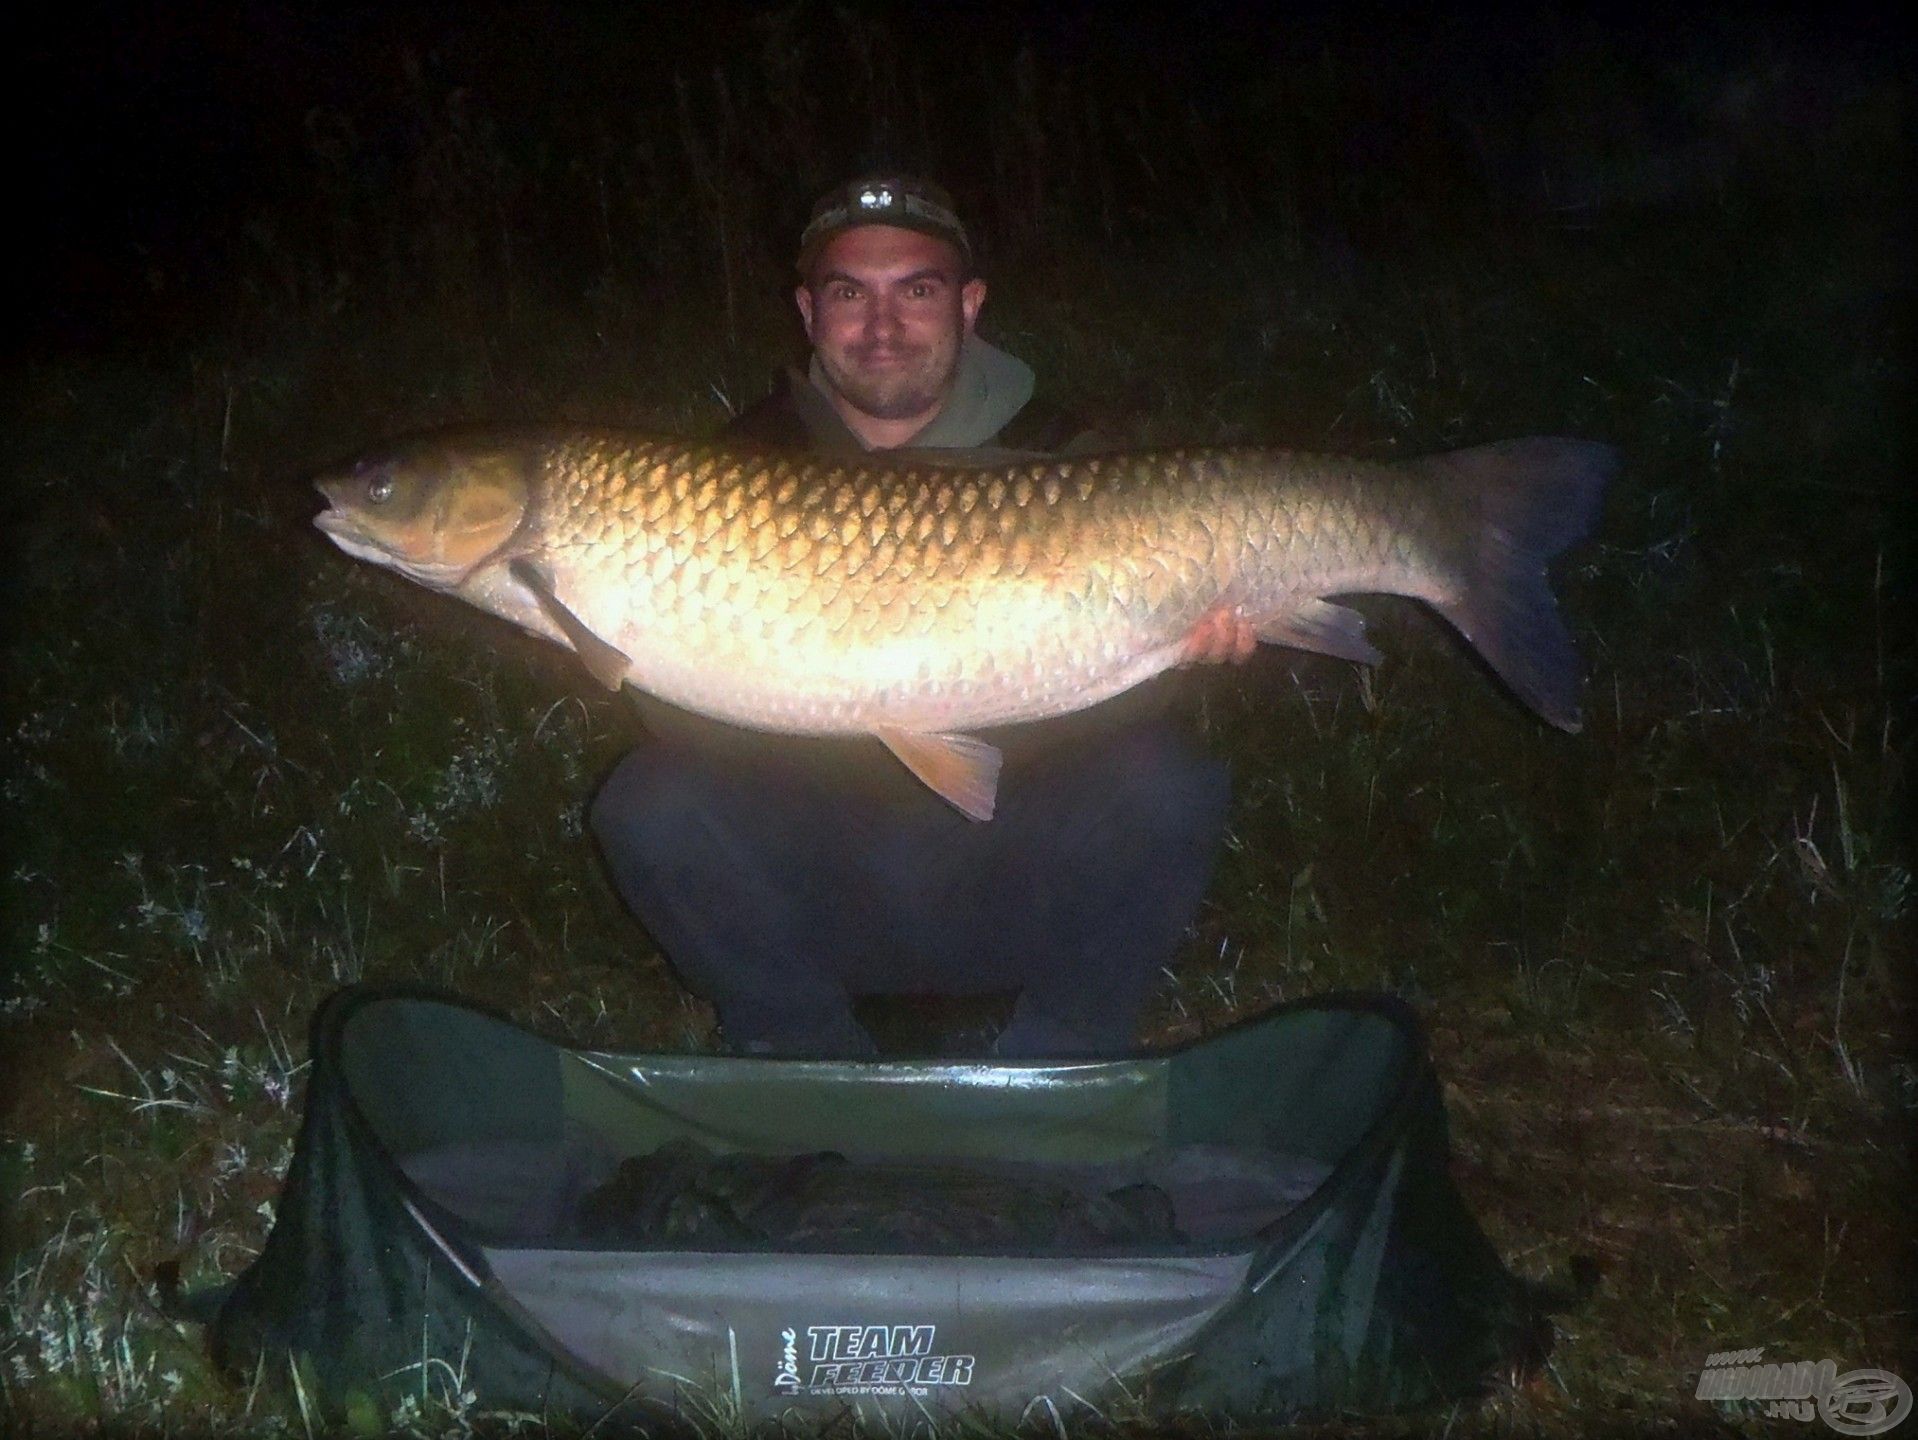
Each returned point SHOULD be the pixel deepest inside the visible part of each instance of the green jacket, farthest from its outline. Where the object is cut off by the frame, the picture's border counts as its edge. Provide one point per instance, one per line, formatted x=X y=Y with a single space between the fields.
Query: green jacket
x=991 y=410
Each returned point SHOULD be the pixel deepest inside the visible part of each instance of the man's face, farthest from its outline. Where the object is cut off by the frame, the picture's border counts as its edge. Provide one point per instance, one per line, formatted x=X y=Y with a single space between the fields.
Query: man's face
x=886 y=312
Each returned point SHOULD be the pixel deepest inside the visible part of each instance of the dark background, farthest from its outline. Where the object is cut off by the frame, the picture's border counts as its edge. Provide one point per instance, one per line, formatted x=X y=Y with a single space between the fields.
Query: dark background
x=171 y=151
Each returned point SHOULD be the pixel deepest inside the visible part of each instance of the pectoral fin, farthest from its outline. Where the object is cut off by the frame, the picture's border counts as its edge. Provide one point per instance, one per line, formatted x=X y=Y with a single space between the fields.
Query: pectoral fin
x=607 y=663
x=1324 y=627
x=964 y=771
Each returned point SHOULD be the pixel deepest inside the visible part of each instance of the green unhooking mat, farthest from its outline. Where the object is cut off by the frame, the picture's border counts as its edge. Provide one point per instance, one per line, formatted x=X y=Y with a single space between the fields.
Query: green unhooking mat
x=1258 y=1225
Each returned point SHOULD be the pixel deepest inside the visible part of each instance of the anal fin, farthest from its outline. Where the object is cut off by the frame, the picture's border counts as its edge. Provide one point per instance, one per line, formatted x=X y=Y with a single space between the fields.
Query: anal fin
x=607 y=664
x=1321 y=626
x=962 y=770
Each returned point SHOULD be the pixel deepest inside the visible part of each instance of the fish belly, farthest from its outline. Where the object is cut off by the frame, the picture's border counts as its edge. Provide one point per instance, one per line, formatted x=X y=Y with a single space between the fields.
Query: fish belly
x=794 y=672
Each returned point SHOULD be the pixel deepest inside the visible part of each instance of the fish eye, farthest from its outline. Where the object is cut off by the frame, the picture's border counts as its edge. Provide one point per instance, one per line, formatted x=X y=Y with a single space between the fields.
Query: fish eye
x=379 y=491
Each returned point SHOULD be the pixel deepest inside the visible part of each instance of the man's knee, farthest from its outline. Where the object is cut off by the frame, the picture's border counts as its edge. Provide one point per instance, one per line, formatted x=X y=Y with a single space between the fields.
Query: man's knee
x=1179 y=787
x=649 y=804
x=1160 y=795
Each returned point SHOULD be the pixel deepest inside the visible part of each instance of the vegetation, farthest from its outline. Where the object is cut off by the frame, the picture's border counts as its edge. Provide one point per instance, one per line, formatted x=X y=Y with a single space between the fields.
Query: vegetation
x=1664 y=961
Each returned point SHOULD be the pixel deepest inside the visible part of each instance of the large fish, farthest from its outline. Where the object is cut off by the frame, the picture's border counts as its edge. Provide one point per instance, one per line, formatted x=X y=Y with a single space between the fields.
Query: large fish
x=917 y=598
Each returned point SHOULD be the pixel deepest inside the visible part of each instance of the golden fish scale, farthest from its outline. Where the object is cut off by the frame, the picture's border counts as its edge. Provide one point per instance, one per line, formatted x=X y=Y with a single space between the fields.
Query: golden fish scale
x=804 y=593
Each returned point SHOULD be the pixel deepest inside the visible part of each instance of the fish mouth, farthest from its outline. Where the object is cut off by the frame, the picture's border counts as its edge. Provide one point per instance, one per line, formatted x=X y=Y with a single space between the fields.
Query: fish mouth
x=335 y=519
x=343 y=532
x=346 y=530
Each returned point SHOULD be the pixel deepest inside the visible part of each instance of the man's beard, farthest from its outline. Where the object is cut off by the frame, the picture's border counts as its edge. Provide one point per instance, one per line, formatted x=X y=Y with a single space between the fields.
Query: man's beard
x=895 y=392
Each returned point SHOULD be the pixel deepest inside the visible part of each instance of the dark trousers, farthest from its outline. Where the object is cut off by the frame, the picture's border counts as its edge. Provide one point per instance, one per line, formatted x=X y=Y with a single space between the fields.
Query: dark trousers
x=780 y=895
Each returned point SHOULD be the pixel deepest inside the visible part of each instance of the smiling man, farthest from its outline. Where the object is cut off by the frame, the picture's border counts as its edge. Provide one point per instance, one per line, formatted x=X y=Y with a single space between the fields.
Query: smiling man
x=785 y=877
x=889 y=312
x=889 y=296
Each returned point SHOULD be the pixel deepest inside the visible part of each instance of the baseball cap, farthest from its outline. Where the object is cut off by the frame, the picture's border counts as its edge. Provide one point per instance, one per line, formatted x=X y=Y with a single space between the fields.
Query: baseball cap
x=902 y=200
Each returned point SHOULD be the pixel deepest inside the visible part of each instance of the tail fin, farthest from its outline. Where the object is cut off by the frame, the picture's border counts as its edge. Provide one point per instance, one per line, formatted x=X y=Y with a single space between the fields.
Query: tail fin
x=1528 y=500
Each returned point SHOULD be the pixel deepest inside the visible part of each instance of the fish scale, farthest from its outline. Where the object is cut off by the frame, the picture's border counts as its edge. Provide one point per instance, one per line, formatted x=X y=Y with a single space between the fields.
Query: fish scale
x=916 y=600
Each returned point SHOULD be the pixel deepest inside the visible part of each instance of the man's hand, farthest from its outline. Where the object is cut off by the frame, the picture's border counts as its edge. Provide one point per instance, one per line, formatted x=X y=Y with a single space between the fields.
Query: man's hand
x=1221 y=634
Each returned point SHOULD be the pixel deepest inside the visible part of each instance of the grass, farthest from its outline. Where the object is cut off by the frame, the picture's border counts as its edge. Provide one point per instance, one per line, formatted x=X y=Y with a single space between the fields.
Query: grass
x=1665 y=962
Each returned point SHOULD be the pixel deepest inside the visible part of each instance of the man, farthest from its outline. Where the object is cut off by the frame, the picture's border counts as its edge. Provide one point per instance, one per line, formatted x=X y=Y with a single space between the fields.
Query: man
x=786 y=876
x=889 y=299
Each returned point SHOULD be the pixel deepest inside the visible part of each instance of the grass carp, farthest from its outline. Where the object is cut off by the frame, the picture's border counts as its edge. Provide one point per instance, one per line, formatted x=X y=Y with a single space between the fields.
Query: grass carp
x=915 y=597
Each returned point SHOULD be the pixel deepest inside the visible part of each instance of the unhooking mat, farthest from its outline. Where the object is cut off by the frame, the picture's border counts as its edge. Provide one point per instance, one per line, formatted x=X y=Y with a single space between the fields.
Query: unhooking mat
x=1257 y=1225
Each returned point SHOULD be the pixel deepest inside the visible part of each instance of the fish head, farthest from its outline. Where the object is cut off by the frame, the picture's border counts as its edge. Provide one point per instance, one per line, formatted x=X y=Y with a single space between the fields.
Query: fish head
x=435 y=510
